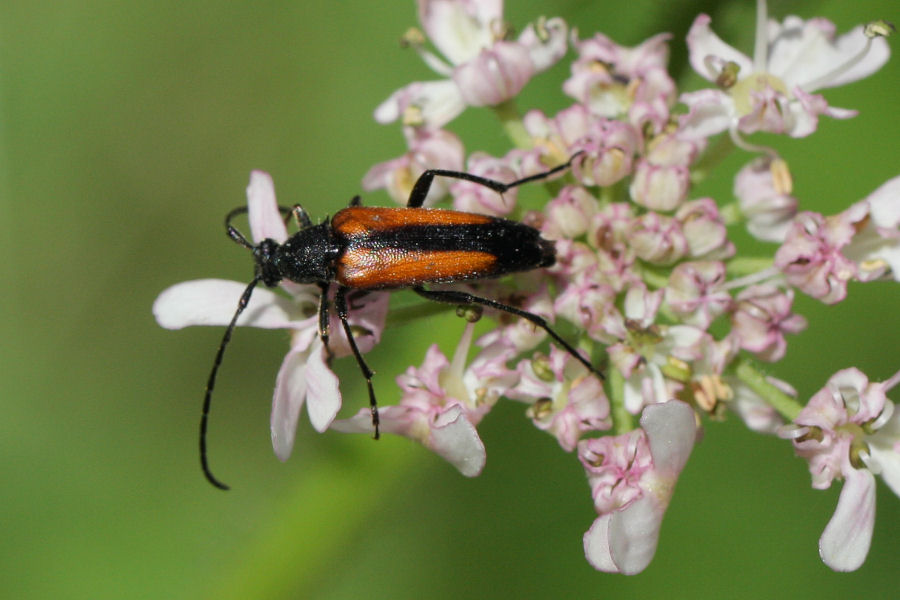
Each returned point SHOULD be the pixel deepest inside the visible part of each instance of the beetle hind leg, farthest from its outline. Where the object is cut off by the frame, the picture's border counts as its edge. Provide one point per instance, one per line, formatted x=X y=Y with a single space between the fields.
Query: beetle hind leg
x=456 y=297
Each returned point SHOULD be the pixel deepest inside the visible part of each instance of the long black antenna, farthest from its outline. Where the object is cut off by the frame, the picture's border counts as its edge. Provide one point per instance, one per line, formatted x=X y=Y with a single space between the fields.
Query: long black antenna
x=210 y=384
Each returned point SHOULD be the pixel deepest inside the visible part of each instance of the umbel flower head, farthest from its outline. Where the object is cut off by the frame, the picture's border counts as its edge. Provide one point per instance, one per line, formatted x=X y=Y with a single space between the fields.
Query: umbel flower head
x=647 y=278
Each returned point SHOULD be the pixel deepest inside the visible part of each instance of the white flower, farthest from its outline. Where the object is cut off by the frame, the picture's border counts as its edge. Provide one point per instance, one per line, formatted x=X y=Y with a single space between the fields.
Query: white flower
x=773 y=90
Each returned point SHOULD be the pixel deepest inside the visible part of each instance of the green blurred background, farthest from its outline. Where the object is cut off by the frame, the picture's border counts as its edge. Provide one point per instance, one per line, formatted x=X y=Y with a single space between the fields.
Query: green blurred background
x=128 y=129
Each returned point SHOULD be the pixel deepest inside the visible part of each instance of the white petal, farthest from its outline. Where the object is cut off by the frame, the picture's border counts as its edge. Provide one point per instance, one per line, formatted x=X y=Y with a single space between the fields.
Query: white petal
x=845 y=542
x=265 y=219
x=214 y=302
x=709 y=112
x=703 y=43
x=393 y=419
x=884 y=204
x=634 y=534
x=847 y=46
x=884 y=450
x=889 y=462
x=324 y=397
x=596 y=545
x=671 y=432
x=439 y=101
x=458 y=34
x=546 y=52
x=290 y=393
x=455 y=439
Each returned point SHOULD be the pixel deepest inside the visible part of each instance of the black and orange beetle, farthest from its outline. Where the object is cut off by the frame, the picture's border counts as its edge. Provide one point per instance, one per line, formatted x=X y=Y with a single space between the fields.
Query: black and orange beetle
x=373 y=248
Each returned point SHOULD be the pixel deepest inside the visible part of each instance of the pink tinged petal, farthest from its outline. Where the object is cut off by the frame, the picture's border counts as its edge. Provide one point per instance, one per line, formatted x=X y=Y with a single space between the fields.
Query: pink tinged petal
x=704 y=45
x=214 y=302
x=694 y=293
x=709 y=112
x=845 y=542
x=804 y=113
x=642 y=305
x=455 y=439
x=704 y=229
x=266 y=221
x=569 y=214
x=657 y=238
x=393 y=419
x=763 y=200
x=430 y=104
x=460 y=29
x=811 y=257
x=495 y=75
x=644 y=388
x=625 y=540
x=659 y=187
x=472 y=197
x=548 y=48
x=448 y=434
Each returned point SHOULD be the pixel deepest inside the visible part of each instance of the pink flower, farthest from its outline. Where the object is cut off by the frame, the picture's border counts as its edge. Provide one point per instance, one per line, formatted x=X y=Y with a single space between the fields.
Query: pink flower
x=614 y=81
x=565 y=398
x=704 y=230
x=428 y=149
x=662 y=177
x=773 y=91
x=304 y=375
x=756 y=412
x=443 y=401
x=607 y=146
x=695 y=293
x=632 y=478
x=875 y=248
x=658 y=239
x=765 y=200
x=569 y=214
x=645 y=348
x=473 y=197
x=762 y=316
x=484 y=68
x=811 y=256
x=850 y=430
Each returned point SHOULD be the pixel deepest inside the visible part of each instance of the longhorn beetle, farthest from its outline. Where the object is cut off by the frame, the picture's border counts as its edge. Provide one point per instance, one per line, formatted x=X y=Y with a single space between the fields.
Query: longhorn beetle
x=371 y=248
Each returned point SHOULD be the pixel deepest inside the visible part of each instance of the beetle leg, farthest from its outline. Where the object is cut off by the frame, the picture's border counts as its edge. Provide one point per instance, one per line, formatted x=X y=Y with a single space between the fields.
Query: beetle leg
x=356 y=201
x=323 y=319
x=423 y=183
x=301 y=217
x=340 y=304
x=456 y=297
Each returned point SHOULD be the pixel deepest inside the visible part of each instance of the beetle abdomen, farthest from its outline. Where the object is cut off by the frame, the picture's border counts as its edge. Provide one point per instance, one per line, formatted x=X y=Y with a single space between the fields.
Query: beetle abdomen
x=403 y=247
